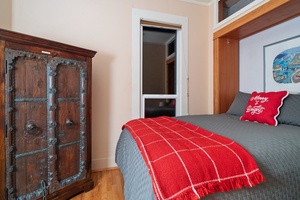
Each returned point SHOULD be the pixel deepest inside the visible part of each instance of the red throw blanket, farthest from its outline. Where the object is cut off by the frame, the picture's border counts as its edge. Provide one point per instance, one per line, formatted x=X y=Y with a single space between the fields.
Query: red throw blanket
x=188 y=162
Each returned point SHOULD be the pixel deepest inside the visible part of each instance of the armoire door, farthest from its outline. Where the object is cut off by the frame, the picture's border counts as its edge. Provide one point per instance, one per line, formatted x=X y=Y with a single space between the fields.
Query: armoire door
x=68 y=80
x=26 y=124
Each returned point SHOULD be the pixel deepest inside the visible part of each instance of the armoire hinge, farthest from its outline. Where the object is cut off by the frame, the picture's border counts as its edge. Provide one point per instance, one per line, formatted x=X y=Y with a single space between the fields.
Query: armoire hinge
x=6 y=67
x=5 y=130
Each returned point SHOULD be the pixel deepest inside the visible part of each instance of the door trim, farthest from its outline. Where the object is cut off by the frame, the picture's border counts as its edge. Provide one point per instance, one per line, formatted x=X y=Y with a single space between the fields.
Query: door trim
x=181 y=52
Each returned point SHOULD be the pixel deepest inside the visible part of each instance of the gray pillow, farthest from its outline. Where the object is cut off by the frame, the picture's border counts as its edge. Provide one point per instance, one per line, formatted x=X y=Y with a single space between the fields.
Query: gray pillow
x=239 y=103
x=290 y=110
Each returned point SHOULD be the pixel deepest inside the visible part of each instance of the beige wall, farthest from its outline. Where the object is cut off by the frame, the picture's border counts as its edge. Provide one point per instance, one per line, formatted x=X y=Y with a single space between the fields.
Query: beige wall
x=105 y=26
x=5 y=14
x=210 y=91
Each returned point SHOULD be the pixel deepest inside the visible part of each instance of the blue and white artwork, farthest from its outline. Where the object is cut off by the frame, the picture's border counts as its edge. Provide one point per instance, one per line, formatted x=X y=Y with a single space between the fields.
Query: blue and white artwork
x=282 y=65
x=286 y=66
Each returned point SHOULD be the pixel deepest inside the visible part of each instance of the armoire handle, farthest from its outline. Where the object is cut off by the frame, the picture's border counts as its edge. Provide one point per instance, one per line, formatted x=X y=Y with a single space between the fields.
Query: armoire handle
x=30 y=126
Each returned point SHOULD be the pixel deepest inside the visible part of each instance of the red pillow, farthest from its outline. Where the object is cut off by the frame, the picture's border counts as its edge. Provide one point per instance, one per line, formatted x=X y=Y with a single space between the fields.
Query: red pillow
x=263 y=107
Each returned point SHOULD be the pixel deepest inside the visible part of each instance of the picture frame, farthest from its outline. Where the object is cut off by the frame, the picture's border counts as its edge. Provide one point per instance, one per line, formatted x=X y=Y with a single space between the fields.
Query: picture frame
x=282 y=65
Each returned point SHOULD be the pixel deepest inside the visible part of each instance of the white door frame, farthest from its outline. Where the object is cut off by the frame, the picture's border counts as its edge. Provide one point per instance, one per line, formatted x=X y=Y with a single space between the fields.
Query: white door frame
x=181 y=56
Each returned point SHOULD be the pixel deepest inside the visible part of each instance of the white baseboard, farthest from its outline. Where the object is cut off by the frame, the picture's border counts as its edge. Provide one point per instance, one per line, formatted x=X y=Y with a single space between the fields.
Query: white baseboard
x=103 y=163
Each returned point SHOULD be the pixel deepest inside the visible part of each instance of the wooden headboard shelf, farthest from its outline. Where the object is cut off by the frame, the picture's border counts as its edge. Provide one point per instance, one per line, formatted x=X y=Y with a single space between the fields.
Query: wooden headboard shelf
x=226 y=46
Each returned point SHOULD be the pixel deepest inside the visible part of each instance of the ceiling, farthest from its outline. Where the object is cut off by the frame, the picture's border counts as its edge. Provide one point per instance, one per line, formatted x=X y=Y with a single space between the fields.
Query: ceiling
x=205 y=2
x=227 y=2
x=156 y=37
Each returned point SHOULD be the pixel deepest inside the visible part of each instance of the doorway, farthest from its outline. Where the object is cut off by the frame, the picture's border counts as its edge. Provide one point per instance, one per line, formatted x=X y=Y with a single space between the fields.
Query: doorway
x=159 y=77
x=141 y=100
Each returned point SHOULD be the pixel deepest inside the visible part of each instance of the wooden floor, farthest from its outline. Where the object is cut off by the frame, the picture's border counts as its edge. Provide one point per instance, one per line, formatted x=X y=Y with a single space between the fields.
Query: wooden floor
x=108 y=186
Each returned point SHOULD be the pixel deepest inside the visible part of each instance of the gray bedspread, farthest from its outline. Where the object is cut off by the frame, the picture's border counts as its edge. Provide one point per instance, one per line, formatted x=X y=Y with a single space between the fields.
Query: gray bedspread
x=275 y=149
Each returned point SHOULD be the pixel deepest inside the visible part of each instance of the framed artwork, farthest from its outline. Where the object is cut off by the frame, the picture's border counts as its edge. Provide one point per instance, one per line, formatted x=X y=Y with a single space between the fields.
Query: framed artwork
x=282 y=65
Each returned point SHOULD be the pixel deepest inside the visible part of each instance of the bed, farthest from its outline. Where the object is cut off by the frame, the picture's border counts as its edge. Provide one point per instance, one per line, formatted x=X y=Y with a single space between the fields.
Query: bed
x=276 y=150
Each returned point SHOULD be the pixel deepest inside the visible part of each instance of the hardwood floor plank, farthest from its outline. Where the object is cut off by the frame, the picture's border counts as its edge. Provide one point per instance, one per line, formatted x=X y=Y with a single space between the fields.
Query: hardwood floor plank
x=108 y=186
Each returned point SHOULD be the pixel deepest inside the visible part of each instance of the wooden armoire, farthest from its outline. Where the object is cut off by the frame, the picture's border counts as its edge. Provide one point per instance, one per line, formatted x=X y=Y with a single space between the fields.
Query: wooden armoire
x=45 y=112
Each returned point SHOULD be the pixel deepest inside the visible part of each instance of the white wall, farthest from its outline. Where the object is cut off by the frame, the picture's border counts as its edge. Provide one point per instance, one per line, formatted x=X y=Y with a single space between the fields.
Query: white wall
x=105 y=26
x=251 y=53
